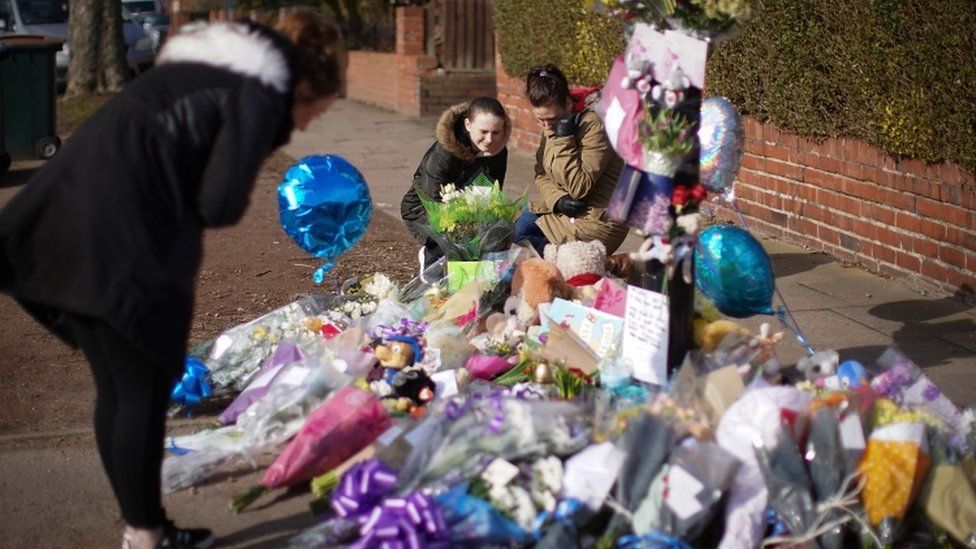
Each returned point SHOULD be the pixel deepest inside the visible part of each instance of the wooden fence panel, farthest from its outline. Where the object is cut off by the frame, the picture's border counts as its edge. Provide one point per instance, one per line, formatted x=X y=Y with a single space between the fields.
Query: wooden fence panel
x=461 y=34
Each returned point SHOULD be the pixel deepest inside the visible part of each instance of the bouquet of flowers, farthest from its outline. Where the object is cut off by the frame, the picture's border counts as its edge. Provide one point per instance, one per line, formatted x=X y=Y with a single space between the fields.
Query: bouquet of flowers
x=470 y=222
x=362 y=294
x=235 y=355
x=700 y=18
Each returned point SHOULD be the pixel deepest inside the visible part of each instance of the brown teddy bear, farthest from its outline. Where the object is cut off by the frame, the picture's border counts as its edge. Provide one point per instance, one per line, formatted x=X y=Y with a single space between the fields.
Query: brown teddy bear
x=535 y=281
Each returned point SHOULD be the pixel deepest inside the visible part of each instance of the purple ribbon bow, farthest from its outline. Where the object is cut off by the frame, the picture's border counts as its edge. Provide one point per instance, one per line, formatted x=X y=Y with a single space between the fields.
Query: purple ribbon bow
x=412 y=522
x=388 y=522
x=362 y=487
x=407 y=327
x=454 y=409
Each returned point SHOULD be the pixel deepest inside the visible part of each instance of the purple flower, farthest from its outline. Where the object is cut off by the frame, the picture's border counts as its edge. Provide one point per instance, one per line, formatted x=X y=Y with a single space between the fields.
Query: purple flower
x=931 y=392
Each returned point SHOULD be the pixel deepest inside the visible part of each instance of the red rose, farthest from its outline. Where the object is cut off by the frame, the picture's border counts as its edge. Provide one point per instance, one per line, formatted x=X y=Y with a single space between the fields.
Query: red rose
x=680 y=195
x=699 y=192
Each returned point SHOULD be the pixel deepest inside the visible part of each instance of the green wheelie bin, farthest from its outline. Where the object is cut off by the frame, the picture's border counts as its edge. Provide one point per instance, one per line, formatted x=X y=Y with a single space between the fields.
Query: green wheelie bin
x=27 y=98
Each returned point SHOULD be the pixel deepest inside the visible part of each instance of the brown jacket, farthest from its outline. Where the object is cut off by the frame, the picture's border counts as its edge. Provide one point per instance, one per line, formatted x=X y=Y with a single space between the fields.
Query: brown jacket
x=585 y=167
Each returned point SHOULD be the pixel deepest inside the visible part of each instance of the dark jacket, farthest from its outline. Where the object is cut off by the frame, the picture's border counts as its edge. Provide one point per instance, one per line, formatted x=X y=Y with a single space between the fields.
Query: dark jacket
x=111 y=227
x=450 y=159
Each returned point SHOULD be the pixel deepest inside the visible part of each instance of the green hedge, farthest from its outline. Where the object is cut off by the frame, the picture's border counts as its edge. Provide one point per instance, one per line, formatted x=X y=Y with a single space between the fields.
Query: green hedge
x=900 y=74
x=582 y=43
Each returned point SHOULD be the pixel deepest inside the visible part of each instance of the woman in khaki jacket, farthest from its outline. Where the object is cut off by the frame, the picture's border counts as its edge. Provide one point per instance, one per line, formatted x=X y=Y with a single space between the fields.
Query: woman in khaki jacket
x=576 y=169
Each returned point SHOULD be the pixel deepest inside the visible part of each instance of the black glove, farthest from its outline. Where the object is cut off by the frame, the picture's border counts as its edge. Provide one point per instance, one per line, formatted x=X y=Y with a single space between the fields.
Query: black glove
x=567 y=205
x=565 y=125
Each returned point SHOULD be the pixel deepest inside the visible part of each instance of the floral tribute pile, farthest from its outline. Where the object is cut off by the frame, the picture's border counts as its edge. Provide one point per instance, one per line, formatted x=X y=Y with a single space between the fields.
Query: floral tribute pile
x=423 y=417
x=531 y=403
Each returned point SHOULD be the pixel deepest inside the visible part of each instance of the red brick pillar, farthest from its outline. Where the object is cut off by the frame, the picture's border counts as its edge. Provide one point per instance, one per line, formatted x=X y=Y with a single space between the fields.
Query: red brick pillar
x=413 y=63
x=410 y=30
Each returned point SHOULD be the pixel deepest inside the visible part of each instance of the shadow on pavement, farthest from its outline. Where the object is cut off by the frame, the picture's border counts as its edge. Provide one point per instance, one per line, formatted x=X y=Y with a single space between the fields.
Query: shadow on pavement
x=921 y=321
x=16 y=177
x=272 y=533
x=791 y=264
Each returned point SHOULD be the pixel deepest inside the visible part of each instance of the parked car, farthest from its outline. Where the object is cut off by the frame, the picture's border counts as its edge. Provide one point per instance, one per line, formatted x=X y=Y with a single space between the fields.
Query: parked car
x=151 y=15
x=50 y=18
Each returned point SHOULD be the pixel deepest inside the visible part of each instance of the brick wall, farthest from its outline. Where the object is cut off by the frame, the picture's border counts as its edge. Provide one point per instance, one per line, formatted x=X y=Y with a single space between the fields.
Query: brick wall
x=526 y=132
x=373 y=78
x=439 y=91
x=408 y=81
x=902 y=219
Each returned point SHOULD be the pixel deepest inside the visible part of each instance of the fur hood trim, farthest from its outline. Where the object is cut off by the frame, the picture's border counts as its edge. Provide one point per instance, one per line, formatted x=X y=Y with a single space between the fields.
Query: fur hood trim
x=238 y=47
x=453 y=137
x=449 y=127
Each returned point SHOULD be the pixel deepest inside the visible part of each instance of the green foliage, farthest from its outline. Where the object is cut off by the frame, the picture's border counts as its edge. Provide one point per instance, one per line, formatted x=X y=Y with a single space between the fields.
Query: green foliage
x=900 y=74
x=564 y=32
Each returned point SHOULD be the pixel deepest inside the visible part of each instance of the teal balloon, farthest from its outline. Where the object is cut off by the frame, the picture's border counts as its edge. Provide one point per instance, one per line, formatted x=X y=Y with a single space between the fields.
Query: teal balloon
x=325 y=207
x=734 y=271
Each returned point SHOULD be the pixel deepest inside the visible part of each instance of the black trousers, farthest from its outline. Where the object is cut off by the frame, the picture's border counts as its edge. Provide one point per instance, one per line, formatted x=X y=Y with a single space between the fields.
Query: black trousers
x=130 y=416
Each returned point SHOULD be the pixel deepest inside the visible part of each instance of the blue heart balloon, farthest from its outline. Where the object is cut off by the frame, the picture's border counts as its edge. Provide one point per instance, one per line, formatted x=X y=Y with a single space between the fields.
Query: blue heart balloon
x=734 y=271
x=324 y=205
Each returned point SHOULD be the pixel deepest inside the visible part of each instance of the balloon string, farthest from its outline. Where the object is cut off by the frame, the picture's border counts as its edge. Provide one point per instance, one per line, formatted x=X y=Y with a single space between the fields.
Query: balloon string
x=781 y=314
x=783 y=311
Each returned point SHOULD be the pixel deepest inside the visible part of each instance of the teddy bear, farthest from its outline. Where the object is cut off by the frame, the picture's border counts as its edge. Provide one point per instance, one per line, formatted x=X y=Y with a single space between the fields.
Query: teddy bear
x=581 y=263
x=819 y=365
x=535 y=281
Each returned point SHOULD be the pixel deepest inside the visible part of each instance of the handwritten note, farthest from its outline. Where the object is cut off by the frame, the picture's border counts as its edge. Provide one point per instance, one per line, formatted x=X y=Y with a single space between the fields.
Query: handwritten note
x=645 y=343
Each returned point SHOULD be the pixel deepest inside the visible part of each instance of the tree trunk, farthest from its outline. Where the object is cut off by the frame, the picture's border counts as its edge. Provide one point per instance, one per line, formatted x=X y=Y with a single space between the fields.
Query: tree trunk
x=97 y=55
x=111 y=51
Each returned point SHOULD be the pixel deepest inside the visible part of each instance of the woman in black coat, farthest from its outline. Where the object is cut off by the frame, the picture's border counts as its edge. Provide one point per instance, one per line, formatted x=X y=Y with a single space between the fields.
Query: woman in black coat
x=104 y=242
x=471 y=139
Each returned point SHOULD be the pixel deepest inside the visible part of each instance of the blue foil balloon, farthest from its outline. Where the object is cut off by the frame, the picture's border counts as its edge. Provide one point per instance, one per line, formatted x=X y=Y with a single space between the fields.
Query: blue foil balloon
x=324 y=205
x=734 y=271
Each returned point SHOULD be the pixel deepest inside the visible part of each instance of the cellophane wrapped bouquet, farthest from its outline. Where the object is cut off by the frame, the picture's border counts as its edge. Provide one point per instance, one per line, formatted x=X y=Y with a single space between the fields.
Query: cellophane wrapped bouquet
x=235 y=355
x=470 y=222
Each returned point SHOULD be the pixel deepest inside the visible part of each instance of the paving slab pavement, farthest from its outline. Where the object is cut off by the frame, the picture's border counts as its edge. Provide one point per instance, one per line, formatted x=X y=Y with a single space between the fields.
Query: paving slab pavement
x=840 y=307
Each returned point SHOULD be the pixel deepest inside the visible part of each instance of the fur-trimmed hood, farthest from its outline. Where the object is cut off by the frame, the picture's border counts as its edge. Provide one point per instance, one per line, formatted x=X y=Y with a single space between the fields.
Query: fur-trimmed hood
x=451 y=135
x=243 y=48
x=450 y=132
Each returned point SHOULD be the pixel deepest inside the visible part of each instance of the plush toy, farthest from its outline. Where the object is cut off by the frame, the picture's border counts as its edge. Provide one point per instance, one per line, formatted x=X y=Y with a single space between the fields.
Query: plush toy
x=710 y=336
x=394 y=354
x=819 y=365
x=414 y=384
x=852 y=374
x=621 y=266
x=535 y=281
x=581 y=263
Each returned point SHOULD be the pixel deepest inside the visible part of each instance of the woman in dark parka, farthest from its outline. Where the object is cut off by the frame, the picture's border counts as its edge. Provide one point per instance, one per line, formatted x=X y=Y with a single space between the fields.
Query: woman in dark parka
x=471 y=139
x=104 y=242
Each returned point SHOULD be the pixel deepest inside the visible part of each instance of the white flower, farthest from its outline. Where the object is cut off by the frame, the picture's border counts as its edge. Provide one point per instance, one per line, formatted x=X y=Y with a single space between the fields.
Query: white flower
x=449 y=192
x=967 y=421
x=478 y=195
x=559 y=436
x=501 y=497
x=379 y=286
x=690 y=223
x=524 y=512
x=519 y=420
x=547 y=473
x=380 y=388
x=547 y=481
